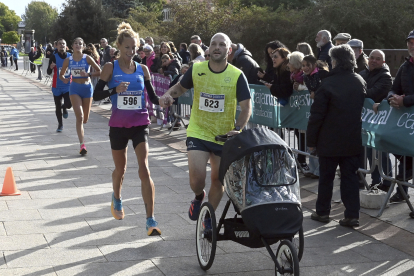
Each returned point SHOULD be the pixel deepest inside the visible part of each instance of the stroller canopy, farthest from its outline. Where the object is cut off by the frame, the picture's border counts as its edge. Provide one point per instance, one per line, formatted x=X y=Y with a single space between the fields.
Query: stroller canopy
x=247 y=142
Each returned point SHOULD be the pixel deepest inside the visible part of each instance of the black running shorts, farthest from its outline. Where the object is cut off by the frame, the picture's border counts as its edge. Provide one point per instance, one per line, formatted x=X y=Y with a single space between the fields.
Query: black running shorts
x=198 y=144
x=119 y=136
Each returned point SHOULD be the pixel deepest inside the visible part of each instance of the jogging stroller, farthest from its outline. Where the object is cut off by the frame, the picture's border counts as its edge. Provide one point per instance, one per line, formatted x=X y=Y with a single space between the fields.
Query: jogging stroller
x=259 y=174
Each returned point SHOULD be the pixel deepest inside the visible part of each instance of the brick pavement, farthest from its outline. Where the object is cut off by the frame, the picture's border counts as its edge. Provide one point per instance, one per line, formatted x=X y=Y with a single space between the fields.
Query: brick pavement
x=61 y=224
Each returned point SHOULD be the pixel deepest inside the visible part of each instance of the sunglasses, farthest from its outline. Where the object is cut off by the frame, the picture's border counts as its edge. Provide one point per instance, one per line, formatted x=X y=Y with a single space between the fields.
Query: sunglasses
x=206 y=56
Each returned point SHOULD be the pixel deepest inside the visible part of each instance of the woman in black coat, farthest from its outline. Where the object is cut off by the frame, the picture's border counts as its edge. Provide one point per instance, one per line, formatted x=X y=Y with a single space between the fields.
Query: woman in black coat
x=334 y=130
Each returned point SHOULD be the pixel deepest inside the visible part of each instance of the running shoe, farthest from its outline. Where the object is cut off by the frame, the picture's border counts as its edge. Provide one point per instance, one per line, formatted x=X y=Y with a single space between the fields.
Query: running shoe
x=83 y=150
x=60 y=128
x=152 y=229
x=207 y=229
x=65 y=113
x=195 y=207
x=116 y=208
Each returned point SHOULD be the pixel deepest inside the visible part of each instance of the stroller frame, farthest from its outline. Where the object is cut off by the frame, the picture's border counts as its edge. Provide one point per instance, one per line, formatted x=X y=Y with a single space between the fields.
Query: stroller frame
x=253 y=226
x=243 y=236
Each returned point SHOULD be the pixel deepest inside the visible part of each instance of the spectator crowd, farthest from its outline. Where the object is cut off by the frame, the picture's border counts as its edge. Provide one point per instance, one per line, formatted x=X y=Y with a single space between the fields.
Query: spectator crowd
x=338 y=77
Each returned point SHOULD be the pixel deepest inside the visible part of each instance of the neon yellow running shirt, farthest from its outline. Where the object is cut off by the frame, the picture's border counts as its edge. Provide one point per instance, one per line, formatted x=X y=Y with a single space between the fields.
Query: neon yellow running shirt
x=215 y=102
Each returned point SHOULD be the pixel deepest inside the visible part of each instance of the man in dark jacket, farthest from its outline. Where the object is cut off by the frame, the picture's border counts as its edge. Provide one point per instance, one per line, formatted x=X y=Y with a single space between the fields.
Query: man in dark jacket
x=197 y=40
x=400 y=96
x=361 y=58
x=32 y=55
x=334 y=131
x=379 y=83
x=324 y=44
x=106 y=52
x=242 y=59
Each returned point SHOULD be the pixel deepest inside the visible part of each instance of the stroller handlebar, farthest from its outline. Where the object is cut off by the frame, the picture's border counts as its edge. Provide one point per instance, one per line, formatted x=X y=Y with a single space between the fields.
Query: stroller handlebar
x=222 y=138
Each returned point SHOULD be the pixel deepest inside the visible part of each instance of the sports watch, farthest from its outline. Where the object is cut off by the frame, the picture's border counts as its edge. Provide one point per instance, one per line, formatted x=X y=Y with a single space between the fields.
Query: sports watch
x=237 y=128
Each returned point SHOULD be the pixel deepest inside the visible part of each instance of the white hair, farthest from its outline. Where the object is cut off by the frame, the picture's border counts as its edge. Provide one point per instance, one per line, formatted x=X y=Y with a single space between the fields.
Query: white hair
x=296 y=59
x=379 y=51
x=326 y=33
x=226 y=37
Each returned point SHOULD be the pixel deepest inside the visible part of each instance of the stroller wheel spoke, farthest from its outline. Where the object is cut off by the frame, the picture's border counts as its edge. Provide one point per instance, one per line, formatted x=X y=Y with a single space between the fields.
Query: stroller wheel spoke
x=206 y=236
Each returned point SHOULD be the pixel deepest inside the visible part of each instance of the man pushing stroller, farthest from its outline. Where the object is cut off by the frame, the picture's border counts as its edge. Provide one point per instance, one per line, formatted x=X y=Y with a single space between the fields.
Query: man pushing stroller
x=218 y=87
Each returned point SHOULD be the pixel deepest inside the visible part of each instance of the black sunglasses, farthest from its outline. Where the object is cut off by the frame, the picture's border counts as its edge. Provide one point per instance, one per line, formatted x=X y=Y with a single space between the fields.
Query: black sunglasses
x=206 y=56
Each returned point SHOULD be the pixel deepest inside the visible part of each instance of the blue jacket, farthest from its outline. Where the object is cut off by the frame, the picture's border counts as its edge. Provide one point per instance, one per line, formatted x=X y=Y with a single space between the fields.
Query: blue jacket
x=14 y=53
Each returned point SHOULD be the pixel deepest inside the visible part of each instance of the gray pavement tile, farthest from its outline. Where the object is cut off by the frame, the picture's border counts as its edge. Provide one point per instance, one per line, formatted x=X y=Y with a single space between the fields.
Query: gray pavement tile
x=23 y=195
x=115 y=236
x=73 y=212
x=44 y=185
x=71 y=193
x=16 y=215
x=141 y=268
x=389 y=268
x=223 y=264
x=163 y=208
x=22 y=242
x=55 y=204
x=3 y=206
x=53 y=257
x=328 y=254
x=32 y=271
x=250 y=273
x=378 y=252
x=140 y=251
x=164 y=220
x=44 y=226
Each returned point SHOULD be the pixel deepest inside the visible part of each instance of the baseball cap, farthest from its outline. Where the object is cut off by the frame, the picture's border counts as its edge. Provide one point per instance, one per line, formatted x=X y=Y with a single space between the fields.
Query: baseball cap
x=410 y=35
x=342 y=36
x=356 y=43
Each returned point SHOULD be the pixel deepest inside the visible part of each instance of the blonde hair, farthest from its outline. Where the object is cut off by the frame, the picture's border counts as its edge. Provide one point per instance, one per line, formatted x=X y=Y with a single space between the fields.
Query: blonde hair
x=125 y=31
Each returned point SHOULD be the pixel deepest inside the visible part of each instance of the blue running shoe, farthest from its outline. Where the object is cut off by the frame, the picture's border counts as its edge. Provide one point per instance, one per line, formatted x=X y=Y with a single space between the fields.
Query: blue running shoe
x=60 y=128
x=195 y=207
x=65 y=113
x=116 y=208
x=152 y=229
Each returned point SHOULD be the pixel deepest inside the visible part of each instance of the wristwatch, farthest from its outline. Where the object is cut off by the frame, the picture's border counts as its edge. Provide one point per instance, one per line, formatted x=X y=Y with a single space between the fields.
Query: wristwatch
x=237 y=128
x=90 y=74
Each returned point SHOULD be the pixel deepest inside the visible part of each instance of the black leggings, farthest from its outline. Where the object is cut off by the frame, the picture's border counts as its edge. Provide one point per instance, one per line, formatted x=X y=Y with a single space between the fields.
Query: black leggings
x=15 y=62
x=58 y=104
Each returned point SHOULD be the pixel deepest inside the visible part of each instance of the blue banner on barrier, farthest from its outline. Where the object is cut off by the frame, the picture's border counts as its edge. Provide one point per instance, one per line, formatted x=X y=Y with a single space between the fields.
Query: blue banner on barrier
x=389 y=130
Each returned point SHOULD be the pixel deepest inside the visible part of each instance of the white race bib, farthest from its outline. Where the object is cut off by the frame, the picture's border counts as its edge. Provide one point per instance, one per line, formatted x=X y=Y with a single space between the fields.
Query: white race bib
x=211 y=102
x=130 y=100
x=76 y=71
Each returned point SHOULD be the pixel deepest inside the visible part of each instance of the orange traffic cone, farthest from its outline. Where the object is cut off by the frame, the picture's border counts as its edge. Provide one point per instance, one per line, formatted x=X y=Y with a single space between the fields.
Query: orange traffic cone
x=9 y=184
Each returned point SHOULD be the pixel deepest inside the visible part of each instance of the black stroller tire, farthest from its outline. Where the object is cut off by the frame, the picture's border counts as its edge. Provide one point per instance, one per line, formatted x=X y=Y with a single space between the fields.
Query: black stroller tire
x=287 y=258
x=206 y=244
x=299 y=243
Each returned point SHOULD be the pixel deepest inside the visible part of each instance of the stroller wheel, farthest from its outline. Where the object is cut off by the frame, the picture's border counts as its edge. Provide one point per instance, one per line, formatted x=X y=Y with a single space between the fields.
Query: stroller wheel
x=206 y=236
x=287 y=258
x=298 y=242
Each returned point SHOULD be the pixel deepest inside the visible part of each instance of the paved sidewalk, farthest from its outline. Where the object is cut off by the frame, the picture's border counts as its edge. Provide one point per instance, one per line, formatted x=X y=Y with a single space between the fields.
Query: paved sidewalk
x=62 y=225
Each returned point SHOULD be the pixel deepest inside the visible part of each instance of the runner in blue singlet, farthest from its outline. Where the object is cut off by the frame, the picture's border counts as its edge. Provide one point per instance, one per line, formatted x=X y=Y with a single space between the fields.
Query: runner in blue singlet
x=81 y=90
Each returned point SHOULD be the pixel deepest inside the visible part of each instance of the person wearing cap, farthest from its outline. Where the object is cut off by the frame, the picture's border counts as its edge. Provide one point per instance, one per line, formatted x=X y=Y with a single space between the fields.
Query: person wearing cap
x=324 y=44
x=361 y=58
x=379 y=83
x=401 y=96
x=341 y=38
x=149 y=55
